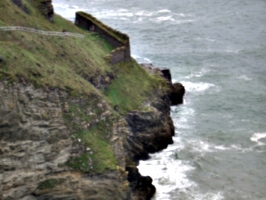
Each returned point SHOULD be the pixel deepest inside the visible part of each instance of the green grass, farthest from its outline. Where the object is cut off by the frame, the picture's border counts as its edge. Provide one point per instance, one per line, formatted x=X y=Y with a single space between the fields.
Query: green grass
x=50 y=60
x=101 y=153
x=96 y=138
x=68 y=63
x=132 y=87
x=55 y=61
x=50 y=183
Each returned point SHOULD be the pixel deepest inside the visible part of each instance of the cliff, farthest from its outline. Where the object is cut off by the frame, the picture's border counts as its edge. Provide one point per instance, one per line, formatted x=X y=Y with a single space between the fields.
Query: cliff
x=72 y=124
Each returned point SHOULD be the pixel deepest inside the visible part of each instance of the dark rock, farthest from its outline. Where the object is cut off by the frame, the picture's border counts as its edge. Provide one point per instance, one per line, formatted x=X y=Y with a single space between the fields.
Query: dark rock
x=152 y=130
x=1 y=59
x=18 y=3
x=47 y=9
x=145 y=189
x=167 y=74
x=177 y=94
x=21 y=6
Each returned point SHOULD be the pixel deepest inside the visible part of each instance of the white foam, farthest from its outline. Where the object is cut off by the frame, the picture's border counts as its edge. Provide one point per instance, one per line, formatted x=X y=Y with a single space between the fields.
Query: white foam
x=229 y=50
x=244 y=77
x=183 y=116
x=197 y=87
x=141 y=59
x=167 y=175
x=135 y=16
x=221 y=147
x=200 y=146
x=163 y=11
x=172 y=175
x=206 y=39
x=181 y=14
x=144 y=13
x=208 y=196
x=206 y=146
x=198 y=74
x=164 y=18
x=184 y=21
x=256 y=138
x=114 y=14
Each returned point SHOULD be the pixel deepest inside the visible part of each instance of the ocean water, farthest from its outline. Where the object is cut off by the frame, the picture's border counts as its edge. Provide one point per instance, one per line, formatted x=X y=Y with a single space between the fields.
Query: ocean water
x=217 y=50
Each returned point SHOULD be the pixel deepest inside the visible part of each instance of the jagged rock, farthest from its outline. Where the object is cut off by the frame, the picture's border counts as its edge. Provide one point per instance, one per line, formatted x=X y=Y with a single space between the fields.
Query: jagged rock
x=145 y=190
x=47 y=9
x=166 y=74
x=177 y=94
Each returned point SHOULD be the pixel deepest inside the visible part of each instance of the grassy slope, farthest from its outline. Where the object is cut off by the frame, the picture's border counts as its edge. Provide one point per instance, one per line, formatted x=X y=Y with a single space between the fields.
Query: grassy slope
x=49 y=60
x=62 y=62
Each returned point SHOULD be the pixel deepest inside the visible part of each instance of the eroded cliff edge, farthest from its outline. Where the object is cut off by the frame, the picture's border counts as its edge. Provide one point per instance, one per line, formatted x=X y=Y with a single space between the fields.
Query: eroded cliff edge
x=49 y=148
x=73 y=125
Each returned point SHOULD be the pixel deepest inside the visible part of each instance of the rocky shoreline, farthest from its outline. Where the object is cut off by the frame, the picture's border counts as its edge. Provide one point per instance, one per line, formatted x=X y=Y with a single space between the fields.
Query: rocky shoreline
x=35 y=141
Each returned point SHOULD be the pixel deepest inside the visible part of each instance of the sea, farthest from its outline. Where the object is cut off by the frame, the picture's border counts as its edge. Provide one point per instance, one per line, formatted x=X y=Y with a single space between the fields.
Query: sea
x=217 y=50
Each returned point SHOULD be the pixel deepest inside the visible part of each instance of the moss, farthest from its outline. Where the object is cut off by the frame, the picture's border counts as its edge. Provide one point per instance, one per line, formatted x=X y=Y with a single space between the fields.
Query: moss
x=80 y=163
x=98 y=159
x=50 y=183
x=132 y=87
x=97 y=155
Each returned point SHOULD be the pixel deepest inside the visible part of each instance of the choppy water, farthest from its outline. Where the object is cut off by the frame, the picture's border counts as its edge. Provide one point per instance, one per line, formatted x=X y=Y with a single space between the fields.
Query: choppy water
x=217 y=49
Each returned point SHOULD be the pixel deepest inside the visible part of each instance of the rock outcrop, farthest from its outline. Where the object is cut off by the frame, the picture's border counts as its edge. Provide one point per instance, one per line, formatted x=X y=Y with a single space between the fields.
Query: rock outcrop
x=36 y=145
x=177 y=92
x=46 y=8
x=39 y=144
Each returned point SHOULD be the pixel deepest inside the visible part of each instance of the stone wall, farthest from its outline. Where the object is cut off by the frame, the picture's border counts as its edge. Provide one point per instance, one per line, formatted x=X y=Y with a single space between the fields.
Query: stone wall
x=118 y=55
x=119 y=41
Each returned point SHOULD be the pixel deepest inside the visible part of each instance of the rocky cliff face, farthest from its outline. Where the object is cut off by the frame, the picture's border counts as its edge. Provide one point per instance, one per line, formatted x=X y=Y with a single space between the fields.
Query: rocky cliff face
x=43 y=154
x=36 y=145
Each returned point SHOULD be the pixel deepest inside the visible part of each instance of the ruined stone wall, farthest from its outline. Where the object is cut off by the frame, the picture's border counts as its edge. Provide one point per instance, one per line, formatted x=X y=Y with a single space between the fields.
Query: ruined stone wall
x=119 y=41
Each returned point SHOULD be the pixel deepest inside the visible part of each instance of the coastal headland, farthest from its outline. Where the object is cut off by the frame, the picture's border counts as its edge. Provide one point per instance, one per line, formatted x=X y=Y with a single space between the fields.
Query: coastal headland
x=76 y=113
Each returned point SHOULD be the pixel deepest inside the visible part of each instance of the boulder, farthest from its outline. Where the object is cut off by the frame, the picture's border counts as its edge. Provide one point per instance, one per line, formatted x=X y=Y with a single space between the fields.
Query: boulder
x=177 y=94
